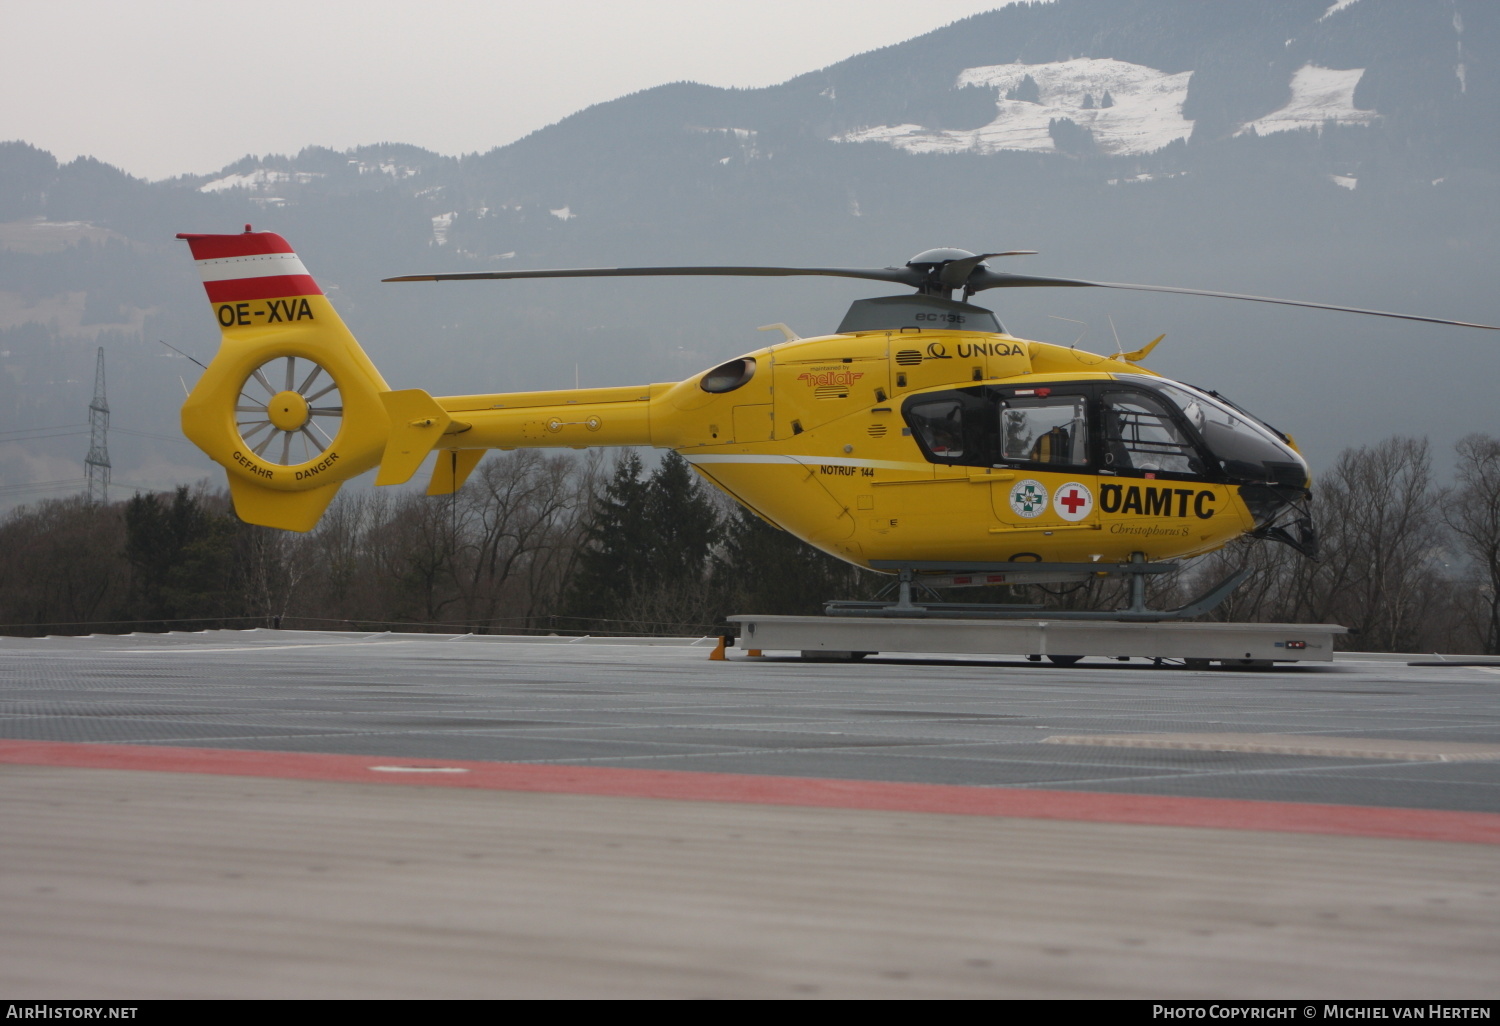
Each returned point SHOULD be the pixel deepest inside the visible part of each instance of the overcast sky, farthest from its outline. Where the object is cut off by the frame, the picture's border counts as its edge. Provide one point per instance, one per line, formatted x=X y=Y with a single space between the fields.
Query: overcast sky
x=167 y=87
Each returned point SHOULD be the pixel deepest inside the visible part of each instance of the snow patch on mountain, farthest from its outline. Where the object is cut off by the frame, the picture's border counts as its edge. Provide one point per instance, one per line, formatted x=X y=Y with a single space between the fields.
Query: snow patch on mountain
x=259 y=180
x=563 y=213
x=1319 y=95
x=745 y=138
x=440 y=225
x=1336 y=8
x=385 y=167
x=1145 y=114
x=1145 y=177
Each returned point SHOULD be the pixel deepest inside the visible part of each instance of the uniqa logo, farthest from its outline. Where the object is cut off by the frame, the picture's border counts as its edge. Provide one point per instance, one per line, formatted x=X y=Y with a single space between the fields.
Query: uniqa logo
x=822 y=379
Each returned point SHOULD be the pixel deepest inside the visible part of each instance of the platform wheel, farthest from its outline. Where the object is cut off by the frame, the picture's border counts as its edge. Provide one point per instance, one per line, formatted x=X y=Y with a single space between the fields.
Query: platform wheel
x=1064 y=660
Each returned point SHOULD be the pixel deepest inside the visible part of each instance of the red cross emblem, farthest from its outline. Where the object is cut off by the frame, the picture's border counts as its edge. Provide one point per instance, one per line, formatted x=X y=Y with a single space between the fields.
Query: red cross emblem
x=1073 y=500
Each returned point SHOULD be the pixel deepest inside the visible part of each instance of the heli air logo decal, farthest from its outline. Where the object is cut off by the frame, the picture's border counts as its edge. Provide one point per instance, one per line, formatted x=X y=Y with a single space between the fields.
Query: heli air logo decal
x=1028 y=498
x=830 y=378
x=1073 y=501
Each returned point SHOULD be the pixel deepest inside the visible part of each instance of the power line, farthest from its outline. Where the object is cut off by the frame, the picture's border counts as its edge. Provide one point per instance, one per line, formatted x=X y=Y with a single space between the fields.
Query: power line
x=147 y=434
x=42 y=438
x=71 y=482
x=54 y=427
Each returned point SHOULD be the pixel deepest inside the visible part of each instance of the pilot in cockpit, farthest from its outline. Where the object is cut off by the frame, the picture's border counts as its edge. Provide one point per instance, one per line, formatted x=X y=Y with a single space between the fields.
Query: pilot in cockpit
x=1053 y=447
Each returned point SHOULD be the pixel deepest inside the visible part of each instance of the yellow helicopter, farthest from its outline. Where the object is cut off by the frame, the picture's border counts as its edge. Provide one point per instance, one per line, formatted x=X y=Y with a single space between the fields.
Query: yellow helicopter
x=919 y=436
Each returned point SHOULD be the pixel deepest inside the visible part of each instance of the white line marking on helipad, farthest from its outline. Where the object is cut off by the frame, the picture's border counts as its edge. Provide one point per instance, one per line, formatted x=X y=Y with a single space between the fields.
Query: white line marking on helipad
x=419 y=769
x=210 y=648
x=1293 y=744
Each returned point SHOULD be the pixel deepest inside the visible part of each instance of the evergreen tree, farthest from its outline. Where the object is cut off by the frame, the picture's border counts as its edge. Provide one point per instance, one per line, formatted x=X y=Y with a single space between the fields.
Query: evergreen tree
x=182 y=560
x=646 y=567
x=684 y=521
x=616 y=546
x=1026 y=90
x=1071 y=138
x=767 y=571
x=686 y=526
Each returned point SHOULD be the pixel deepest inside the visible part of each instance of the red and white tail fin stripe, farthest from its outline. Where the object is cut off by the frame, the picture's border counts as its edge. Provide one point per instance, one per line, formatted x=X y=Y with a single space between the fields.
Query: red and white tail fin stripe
x=250 y=266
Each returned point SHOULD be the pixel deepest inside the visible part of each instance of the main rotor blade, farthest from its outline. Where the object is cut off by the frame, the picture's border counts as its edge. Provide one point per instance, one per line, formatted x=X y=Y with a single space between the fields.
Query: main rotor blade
x=899 y=275
x=987 y=279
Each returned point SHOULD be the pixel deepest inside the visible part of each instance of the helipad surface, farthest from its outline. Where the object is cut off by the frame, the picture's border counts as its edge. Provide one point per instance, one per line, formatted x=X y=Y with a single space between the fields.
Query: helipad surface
x=888 y=827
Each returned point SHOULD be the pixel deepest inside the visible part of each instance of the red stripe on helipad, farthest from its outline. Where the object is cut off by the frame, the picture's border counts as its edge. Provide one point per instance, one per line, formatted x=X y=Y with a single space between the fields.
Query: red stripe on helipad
x=1221 y=813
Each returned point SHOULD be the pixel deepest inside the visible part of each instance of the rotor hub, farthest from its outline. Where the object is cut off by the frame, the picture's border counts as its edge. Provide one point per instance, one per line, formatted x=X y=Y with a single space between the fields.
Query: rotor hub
x=937 y=257
x=288 y=411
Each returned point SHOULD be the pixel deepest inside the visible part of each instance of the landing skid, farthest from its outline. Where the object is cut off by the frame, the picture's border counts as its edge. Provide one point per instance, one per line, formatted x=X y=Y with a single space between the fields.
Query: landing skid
x=1173 y=643
x=926 y=577
x=896 y=623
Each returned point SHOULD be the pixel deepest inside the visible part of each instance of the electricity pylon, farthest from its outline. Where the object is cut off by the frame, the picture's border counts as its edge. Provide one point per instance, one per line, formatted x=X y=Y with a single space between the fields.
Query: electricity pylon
x=96 y=464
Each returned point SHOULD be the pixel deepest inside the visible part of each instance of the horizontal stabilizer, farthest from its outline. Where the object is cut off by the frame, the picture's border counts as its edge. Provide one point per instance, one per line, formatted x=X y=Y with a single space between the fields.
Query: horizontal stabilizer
x=1136 y=356
x=417 y=425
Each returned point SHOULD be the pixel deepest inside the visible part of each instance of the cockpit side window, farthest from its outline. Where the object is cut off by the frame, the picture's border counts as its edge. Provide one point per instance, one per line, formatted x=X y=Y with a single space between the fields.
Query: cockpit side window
x=1141 y=435
x=939 y=426
x=1052 y=431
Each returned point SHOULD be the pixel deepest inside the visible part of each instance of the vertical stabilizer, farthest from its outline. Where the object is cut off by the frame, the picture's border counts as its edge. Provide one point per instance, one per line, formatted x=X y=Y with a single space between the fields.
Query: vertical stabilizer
x=290 y=406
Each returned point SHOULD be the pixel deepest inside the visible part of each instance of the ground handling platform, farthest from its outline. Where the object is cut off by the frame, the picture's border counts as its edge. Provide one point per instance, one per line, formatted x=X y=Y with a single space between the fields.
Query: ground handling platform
x=1195 y=645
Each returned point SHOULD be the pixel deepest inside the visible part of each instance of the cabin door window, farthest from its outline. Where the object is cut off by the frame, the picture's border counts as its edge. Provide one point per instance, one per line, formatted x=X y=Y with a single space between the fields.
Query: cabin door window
x=1052 y=431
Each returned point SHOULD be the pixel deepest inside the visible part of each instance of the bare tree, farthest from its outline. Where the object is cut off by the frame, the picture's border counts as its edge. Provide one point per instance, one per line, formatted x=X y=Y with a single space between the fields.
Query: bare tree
x=1382 y=543
x=62 y=566
x=1472 y=512
x=1382 y=569
x=512 y=517
x=273 y=564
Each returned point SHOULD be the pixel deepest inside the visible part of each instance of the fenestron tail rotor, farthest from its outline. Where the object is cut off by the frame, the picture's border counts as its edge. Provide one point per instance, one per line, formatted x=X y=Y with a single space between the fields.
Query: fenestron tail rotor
x=289 y=412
